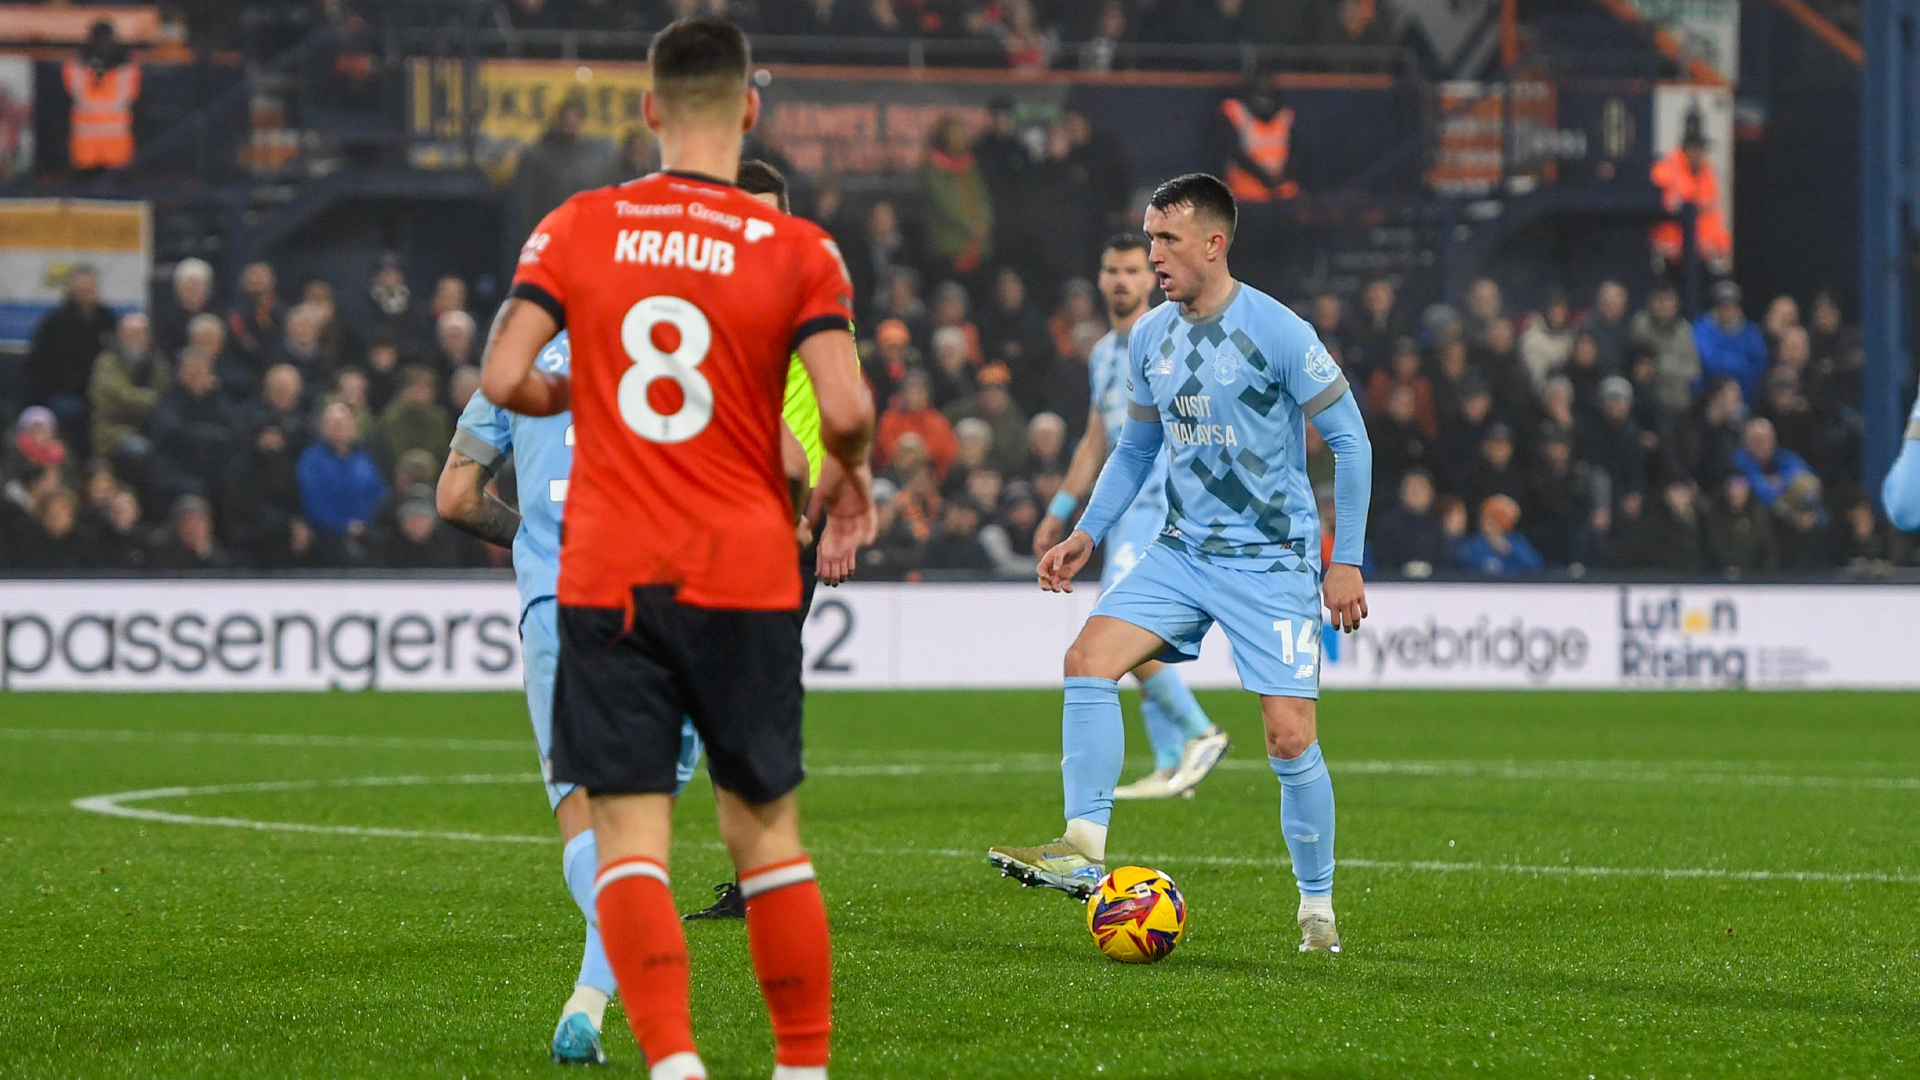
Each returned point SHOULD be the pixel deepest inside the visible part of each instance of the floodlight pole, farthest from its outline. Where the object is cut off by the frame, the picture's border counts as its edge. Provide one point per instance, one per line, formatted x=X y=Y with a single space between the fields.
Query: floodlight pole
x=1889 y=217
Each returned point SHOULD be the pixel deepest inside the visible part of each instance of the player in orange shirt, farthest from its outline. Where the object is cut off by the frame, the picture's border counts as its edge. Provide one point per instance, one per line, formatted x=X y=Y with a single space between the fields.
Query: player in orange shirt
x=678 y=567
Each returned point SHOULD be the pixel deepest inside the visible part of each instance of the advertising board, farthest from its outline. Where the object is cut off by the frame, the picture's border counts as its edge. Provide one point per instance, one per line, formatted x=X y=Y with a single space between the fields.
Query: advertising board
x=463 y=635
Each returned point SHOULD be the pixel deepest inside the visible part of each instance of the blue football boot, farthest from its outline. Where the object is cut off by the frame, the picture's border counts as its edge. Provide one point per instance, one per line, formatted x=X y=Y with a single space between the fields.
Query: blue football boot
x=576 y=1043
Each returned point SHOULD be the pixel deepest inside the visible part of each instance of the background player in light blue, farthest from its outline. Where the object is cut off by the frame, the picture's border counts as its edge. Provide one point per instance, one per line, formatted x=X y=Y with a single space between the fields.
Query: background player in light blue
x=1186 y=745
x=542 y=451
x=1226 y=377
x=1901 y=491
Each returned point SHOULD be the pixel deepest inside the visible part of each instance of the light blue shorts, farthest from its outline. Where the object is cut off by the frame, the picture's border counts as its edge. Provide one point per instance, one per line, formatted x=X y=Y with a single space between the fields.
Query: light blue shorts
x=1271 y=618
x=540 y=663
x=1129 y=541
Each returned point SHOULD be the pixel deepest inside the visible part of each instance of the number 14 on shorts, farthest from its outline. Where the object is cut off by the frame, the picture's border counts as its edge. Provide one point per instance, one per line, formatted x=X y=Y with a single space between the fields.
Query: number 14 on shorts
x=1305 y=648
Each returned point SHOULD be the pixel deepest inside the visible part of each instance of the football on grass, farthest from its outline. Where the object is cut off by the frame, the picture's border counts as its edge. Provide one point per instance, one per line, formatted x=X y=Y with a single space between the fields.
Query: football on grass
x=1137 y=915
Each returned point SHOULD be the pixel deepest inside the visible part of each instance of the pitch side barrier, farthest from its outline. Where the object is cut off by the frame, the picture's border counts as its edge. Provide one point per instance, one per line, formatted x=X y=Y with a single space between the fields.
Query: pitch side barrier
x=405 y=633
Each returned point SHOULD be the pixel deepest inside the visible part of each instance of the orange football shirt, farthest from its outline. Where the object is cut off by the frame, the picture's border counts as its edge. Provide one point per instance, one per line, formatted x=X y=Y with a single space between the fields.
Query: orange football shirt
x=683 y=297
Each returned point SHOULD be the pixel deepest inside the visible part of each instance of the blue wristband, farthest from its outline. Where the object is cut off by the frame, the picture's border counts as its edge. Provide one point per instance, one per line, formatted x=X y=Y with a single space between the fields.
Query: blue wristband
x=1062 y=506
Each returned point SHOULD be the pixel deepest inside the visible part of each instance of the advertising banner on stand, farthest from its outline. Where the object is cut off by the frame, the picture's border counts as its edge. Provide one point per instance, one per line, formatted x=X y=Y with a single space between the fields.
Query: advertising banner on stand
x=42 y=239
x=1516 y=136
x=511 y=103
x=869 y=128
x=1706 y=30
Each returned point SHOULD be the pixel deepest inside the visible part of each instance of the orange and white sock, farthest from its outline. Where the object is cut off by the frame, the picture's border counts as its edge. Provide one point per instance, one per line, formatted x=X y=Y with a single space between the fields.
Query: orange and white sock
x=793 y=958
x=640 y=930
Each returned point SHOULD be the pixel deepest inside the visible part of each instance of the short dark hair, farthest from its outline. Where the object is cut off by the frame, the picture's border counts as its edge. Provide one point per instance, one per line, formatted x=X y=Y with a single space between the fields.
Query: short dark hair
x=1125 y=241
x=760 y=178
x=698 y=63
x=1205 y=193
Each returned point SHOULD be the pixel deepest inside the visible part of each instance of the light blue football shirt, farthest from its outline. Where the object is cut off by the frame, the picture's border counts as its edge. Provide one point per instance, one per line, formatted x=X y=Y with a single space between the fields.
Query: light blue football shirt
x=542 y=449
x=1107 y=371
x=1233 y=392
x=1900 y=492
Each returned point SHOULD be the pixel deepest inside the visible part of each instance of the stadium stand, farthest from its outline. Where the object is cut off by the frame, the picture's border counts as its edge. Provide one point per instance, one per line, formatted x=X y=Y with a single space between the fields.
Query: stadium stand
x=286 y=401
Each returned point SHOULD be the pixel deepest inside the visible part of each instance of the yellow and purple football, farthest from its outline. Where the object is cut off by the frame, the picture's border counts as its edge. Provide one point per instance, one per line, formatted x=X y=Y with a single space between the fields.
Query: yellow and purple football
x=1137 y=915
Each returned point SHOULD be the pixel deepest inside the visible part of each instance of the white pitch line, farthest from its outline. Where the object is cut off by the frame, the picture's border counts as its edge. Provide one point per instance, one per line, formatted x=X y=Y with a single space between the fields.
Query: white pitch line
x=1603 y=772
x=217 y=738
x=1709 y=873
x=1722 y=773
x=113 y=805
x=1571 y=771
x=1428 y=866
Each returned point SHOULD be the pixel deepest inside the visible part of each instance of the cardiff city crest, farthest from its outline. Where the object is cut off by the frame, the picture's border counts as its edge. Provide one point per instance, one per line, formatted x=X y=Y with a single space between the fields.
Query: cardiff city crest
x=1226 y=366
x=1320 y=365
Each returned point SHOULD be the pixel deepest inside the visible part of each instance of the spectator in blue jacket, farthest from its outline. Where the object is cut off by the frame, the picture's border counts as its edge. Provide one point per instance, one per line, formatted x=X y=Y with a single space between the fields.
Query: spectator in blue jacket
x=340 y=487
x=1728 y=344
x=1498 y=551
x=1768 y=466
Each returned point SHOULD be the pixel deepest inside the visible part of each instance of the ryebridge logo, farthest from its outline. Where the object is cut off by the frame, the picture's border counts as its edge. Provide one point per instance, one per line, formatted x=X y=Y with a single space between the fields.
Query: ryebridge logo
x=1483 y=644
x=1670 y=639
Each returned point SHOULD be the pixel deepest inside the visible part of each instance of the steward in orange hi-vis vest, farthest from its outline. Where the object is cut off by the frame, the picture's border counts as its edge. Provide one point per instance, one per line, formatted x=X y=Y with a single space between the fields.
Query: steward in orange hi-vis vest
x=1266 y=143
x=1685 y=177
x=103 y=98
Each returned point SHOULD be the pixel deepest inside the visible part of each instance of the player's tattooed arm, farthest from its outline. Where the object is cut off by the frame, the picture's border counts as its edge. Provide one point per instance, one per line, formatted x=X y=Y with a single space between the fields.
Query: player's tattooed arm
x=467 y=505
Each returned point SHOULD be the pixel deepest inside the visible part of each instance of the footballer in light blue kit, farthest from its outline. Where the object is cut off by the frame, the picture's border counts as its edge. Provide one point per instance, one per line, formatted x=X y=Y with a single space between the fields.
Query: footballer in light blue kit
x=1186 y=744
x=1225 y=377
x=1901 y=491
x=542 y=451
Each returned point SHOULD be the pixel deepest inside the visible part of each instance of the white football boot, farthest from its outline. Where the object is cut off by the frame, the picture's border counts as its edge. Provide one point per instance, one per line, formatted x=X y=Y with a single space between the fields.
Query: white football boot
x=1155 y=785
x=1197 y=759
x=1317 y=931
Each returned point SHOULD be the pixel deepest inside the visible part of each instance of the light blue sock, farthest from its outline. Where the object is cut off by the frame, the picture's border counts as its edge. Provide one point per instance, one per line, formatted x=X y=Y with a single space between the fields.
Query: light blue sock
x=1171 y=693
x=1306 y=818
x=594 y=969
x=1093 y=745
x=581 y=861
x=1162 y=733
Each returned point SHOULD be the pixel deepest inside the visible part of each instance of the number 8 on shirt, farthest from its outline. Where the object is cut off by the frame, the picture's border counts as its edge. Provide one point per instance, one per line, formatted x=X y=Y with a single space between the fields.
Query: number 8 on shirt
x=683 y=297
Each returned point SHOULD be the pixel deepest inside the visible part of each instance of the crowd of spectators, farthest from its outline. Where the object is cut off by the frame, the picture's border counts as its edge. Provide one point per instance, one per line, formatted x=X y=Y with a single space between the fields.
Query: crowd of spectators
x=1566 y=440
x=260 y=434
x=304 y=430
x=1579 y=436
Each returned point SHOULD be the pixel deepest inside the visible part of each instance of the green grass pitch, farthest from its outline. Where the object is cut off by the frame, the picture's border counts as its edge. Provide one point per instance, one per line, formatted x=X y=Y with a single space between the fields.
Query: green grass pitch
x=1532 y=885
